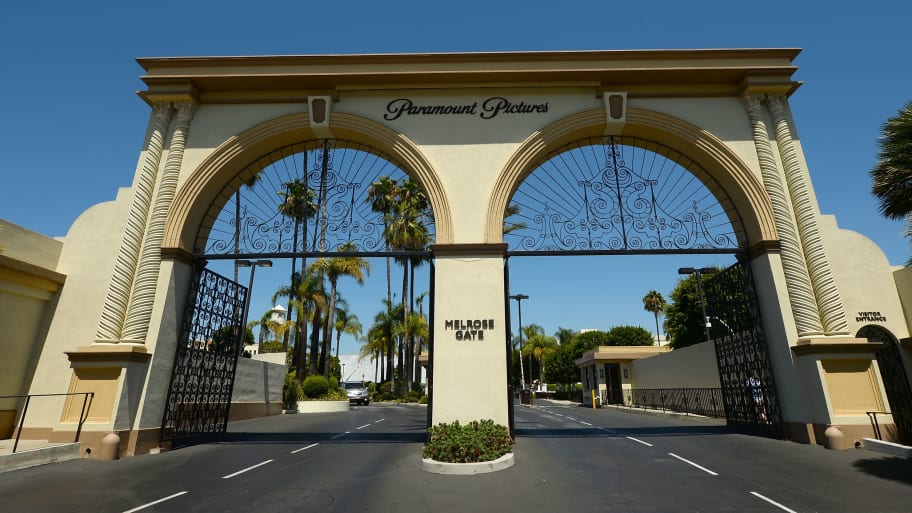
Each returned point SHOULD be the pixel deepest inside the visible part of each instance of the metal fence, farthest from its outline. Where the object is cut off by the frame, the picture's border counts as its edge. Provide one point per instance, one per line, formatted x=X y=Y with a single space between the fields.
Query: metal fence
x=698 y=401
x=86 y=404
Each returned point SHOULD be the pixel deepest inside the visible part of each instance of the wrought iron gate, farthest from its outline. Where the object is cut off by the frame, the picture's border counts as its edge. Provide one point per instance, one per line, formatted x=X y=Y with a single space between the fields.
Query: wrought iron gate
x=205 y=360
x=745 y=372
x=896 y=382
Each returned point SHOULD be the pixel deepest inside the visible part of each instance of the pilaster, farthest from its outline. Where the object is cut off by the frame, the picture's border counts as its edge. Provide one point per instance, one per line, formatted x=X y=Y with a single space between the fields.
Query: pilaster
x=110 y=327
x=829 y=302
x=798 y=283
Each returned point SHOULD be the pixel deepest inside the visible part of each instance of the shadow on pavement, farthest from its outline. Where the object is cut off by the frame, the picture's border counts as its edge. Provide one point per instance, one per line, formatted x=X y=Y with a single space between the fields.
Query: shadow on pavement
x=615 y=432
x=892 y=468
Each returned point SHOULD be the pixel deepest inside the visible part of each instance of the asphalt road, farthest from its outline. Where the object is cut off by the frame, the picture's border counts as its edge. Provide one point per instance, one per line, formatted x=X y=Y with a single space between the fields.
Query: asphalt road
x=568 y=458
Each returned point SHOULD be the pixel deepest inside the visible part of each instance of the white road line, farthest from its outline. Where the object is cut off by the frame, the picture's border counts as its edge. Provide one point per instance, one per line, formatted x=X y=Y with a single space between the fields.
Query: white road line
x=774 y=503
x=379 y=421
x=571 y=418
x=704 y=469
x=239 y=472
x=586 y=423
x=153 y=503
x=341 y=435
x=362 y=427
x=638 y=440
x=303 y=448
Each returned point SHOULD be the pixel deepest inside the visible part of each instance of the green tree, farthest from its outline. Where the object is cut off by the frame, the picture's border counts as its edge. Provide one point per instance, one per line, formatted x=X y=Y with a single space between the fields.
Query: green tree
x=684 y=316
x=628 y=336
x=654 y=302
x=298 y=205
x=564 y=335
x=892 y=175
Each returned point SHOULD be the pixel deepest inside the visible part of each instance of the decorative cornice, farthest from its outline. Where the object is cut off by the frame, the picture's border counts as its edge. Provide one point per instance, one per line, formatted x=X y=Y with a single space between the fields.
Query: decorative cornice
x=177 y=254
x=109 y=353
x=841 y=346
x=471 y=249
x=33 y=270
x=763 y=247
x=643 y=73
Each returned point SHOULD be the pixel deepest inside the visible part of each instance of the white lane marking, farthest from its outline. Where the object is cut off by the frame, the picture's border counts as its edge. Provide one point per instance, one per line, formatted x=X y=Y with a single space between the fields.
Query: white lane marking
x=571 y=418
x=362 y=427
x=774 y=503
x=584 y=422
x=341 y=435
x=613 y=432
x=239 y=472
x=153 y=503
x=303 y=448
x=638 y=440
x=379 y=421
x=704 y=469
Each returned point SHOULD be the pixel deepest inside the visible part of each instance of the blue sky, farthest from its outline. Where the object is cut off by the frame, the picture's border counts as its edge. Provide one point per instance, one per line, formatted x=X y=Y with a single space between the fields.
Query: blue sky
x=73 y=126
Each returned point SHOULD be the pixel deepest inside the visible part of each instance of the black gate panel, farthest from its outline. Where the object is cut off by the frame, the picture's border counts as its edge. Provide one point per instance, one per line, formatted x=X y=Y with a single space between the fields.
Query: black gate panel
x=896 y=382
x=199 y=393
x=746 y=375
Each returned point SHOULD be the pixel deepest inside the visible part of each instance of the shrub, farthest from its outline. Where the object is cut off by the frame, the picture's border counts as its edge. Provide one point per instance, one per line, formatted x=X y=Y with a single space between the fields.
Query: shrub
x=334 y=383
x=474 y=442
x=291 y=391
x=411 y=397
x=315 y=386
x=423 y=400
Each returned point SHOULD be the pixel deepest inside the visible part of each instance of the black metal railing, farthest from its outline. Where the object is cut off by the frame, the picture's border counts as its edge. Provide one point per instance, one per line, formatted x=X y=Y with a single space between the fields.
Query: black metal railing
x=86 y=404
x=698 y=401
x=898 y=419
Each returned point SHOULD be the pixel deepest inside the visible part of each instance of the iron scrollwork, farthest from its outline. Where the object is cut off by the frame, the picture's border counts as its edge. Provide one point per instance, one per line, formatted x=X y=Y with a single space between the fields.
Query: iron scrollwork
x=617 y=194
x=246 y=219
x=202 y=378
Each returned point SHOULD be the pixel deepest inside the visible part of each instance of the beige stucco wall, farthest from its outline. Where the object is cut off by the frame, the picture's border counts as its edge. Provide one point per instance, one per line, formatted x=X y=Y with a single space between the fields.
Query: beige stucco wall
x=29 y=288
x=688 y=367
x=87 y=258
x=470 y=376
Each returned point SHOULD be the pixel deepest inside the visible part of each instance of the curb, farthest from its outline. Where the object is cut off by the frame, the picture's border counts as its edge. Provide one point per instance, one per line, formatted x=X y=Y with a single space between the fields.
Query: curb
x=467 y=469
x=891 y=448
x=35 y=457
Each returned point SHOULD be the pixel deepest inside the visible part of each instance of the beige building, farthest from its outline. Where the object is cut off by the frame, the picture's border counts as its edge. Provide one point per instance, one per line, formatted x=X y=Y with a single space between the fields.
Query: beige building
x=108 y=308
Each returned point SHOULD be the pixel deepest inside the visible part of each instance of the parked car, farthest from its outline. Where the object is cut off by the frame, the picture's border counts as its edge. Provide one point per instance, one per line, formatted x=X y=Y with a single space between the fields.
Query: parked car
x=357 y=393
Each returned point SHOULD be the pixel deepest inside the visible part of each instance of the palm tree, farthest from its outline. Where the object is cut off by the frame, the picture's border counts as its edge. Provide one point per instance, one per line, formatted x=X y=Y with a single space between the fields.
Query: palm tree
x=415 y=326
x=333 y=269
x=892 y=175
x=382 y=196
x=512 y=226
x=655 y=303
x=297 y=204
x=346 y=323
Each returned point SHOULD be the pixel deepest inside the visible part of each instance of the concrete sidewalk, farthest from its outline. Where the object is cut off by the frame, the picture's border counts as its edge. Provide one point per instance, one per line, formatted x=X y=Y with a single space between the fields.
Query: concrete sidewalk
x=30 y=453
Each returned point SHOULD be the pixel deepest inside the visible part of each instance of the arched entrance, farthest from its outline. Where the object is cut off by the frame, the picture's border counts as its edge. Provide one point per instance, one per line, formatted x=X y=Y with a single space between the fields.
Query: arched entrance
x=614 y=195
x=895 y=379
x=329 y=202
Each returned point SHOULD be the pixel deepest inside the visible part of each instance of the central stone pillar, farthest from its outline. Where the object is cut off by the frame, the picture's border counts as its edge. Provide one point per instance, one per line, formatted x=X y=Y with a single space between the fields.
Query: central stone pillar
x=469 y=357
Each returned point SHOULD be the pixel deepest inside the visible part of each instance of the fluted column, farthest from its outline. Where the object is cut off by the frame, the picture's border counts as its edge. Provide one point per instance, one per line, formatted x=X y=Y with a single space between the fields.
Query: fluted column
x=829 y=302
x=797 y=280
x=115 y=306
x=142 y=297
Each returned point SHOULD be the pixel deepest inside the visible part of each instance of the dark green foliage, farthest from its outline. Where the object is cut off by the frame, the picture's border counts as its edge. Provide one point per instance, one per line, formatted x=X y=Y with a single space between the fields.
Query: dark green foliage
x=629 y=336
x=291 y=391
x=590 y=340
x=315 y=386
x=683 y=317
x=474 y=442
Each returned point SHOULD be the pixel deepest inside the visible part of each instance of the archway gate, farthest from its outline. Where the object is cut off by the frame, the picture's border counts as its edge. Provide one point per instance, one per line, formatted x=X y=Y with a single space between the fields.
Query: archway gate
x=323 y=200
x=470 y=129
x=616 y=195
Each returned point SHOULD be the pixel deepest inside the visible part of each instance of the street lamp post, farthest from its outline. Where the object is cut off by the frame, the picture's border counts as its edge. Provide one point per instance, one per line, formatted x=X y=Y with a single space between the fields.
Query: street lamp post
x=700 y=272
x=252 y=264
x=522 y=374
